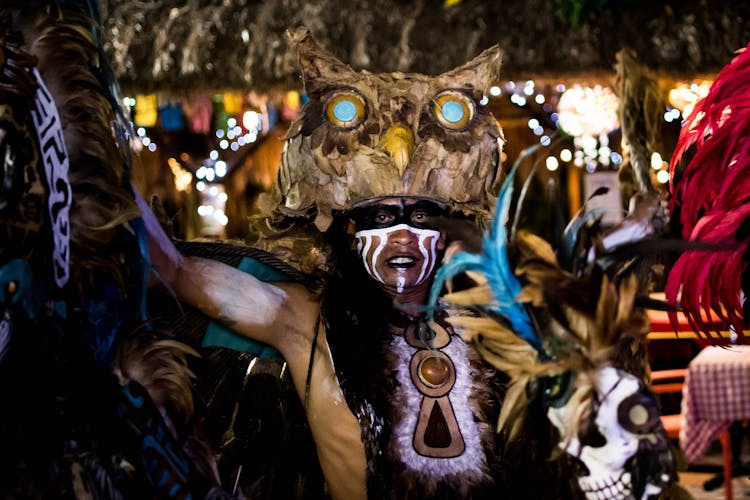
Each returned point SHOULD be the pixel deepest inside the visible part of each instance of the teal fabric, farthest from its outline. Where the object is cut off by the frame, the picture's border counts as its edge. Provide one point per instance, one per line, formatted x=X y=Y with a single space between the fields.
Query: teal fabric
x=220 y=336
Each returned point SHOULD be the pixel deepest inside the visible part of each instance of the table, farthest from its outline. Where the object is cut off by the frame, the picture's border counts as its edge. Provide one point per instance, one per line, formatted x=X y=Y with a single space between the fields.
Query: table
x=716 y=393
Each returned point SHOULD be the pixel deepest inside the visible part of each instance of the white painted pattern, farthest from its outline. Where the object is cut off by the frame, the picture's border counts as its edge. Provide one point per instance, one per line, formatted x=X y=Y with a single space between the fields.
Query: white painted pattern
x=472 y=464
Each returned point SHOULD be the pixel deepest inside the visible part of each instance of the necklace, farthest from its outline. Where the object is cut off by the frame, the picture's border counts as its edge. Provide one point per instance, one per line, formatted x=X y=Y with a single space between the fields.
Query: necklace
x=437 y=433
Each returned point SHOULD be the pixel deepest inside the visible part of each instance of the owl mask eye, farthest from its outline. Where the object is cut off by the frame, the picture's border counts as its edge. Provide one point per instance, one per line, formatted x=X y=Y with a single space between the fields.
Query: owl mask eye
x=453 y=110
x=346 y=109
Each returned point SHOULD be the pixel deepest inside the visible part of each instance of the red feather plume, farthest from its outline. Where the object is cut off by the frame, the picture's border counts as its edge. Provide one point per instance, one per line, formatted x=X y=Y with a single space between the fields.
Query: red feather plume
x=713 y=194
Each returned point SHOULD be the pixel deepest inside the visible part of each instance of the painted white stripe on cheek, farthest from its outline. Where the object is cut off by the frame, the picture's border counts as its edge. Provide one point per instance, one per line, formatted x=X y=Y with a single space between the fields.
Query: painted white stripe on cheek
x=364 y=250
x=428 y=256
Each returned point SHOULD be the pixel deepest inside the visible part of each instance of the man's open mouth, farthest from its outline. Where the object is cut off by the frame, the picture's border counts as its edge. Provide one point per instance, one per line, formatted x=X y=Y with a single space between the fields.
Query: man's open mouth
x=401 y=262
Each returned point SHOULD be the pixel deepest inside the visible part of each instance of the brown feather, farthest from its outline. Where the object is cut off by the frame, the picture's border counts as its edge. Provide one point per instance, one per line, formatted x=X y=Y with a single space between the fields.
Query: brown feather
x=102 y=200
x=161 y=367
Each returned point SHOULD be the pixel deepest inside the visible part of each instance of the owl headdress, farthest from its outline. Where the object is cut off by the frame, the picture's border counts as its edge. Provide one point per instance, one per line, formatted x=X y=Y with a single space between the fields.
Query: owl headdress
x=556 y=325
x=363 y=135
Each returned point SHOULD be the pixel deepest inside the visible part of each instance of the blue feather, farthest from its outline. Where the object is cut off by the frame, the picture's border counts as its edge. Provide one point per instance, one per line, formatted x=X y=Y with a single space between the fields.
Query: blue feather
x=493 y=263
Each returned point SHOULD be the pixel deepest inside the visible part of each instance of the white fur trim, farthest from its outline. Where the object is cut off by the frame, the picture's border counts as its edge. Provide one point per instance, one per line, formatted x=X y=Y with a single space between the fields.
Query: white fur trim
x=472 y=463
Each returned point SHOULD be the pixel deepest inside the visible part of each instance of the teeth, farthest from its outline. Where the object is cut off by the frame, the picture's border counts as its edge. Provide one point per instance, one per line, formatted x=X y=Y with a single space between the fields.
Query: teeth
x=401 y=260
x=606 y=488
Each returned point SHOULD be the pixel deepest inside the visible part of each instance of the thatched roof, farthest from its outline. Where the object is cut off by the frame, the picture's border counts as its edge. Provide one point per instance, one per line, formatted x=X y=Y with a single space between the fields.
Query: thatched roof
x=239 y=44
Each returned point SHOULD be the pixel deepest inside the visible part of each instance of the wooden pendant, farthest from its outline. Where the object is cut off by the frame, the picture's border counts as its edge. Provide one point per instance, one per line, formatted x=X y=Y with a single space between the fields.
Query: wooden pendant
x=437 y=434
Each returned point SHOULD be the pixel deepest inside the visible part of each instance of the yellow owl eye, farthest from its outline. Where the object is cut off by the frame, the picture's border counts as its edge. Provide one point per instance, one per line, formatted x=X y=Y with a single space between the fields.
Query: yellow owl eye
x=453 y=110
x=346 y=110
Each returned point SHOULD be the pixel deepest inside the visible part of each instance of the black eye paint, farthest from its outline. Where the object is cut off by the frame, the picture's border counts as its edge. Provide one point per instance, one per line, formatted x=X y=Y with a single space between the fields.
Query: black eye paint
x=416 y=214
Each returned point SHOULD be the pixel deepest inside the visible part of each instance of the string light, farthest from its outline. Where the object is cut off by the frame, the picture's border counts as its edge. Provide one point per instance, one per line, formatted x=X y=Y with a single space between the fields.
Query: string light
x=685 y=96
x=672 y=114
x=143 y=141
x=588 y=110
x=656 y=161
x=220 y=168
x=552 y=163
x=588 y=114
x=211 y=209
x=182 y=178
x=251 y=120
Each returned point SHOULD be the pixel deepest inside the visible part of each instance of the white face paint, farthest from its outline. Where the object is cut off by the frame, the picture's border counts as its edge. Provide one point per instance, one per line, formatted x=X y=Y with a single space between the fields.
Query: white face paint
x=395 y=263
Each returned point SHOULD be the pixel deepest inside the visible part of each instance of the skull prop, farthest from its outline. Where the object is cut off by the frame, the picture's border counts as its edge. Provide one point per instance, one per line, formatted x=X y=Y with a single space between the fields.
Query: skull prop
x=624 y=452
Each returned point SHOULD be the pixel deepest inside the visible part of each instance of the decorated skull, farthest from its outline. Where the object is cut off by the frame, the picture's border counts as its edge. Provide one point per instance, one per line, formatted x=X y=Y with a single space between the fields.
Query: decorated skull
x=623 y=452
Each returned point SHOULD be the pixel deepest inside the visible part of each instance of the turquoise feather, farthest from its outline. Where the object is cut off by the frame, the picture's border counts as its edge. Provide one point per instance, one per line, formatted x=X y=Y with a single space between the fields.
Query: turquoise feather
x=493 y=263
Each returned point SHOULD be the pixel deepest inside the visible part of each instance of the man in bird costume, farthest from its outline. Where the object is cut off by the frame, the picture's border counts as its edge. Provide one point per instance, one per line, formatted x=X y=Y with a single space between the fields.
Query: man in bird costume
x=374 y=166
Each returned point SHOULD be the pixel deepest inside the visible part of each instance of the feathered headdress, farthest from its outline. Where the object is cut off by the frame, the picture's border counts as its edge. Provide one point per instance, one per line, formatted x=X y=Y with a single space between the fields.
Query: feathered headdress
x=570 y=337
x=710 y=183
x=390 y=139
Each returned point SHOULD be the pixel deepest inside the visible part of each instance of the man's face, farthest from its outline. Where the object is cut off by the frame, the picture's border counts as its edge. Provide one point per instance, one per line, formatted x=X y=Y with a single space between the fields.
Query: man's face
x=395 y=242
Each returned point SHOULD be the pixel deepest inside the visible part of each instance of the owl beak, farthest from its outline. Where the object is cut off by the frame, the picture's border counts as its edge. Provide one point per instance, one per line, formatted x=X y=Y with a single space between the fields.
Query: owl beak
x=398 y=142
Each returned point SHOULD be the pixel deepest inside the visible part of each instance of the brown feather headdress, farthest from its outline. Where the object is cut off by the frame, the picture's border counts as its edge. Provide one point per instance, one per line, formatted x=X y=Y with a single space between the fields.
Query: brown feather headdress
x=391 y=139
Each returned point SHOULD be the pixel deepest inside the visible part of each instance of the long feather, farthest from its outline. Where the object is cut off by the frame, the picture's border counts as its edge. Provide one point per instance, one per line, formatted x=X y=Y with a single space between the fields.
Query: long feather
x=493 y=263
x=712 y=193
